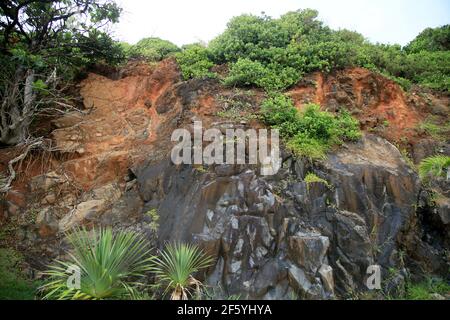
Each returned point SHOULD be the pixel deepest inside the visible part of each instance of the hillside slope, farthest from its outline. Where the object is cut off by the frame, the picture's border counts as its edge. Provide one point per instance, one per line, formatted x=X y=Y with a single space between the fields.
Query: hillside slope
x=272 y=237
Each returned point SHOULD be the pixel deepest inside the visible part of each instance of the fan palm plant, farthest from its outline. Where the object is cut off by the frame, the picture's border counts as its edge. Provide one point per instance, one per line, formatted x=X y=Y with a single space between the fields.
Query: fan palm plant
x=107 y=263
x=436 y=166
x=176 y=267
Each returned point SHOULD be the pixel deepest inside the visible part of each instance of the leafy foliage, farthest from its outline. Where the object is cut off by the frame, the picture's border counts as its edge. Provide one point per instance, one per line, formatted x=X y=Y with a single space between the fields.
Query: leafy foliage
x=437 y=39
x=65 y=33
x=313 y=178
x=153 y=49
x=312 y=132
x=436 y=166
x=275 y=53
x=194 y=62
x=108 y=263
x=426 y=289
x=272 y=77
x=48 y=42
x=430 y=69
x=176 y=267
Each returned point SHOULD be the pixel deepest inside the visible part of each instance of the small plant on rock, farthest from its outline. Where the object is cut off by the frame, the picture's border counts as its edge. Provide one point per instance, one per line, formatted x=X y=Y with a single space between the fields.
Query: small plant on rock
x=313 y=178
x=154 y=216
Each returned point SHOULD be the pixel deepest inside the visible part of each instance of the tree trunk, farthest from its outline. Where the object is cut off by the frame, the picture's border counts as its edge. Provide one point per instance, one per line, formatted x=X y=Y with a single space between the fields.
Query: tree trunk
x=17 y=109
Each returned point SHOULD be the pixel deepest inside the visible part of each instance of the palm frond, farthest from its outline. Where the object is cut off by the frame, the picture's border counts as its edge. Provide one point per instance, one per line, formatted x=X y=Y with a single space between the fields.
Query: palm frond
x=176 y=266
x=106 y=261
x=436 y=166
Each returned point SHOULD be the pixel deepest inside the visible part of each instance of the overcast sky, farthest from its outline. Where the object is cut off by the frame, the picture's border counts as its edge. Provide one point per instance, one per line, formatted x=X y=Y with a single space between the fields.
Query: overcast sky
x=187 y=21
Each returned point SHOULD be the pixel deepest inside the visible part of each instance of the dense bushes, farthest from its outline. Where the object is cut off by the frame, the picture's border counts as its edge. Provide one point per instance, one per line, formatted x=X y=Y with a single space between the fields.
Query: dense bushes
x=275 y=53
x=437 y=39
x=152 y=49
x=272 y=77
x=310 y=133
x=430 y=69
x=427 y=68
x=195 y=62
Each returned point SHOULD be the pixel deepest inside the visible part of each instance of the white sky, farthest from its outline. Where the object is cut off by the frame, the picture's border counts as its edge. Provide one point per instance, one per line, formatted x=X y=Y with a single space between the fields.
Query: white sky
x=187 y=21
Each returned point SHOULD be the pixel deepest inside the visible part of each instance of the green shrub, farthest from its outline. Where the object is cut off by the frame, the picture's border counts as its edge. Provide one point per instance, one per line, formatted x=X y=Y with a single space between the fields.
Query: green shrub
x=194 y=62
x=13 y=283
x=313 y=178
x=152 y=49
x=278 y=77
x=108 y=263
x=249 y=36
x=126 y=49
x=425 y=289
x=303 y=145
x=272 y=77
x=245 y=72
x=429 y=69
x=347 y=127
x=278 y=110
x=310 y=133
x=431 y=39
x=436 y=166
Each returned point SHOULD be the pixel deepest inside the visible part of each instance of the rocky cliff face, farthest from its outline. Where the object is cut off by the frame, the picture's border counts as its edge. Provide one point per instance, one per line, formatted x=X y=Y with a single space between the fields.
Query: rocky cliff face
x=275 y=237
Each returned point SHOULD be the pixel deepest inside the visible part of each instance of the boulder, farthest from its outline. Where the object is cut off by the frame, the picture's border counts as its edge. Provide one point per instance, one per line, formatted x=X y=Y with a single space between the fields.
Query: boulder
x=47 y=223
x=45 y=182
x=306 y=288
x=84 y=214
x=308 y=250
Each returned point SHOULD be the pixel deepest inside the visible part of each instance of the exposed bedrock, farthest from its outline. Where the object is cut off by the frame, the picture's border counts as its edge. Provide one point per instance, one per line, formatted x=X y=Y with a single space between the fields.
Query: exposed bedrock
x=279 y=237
